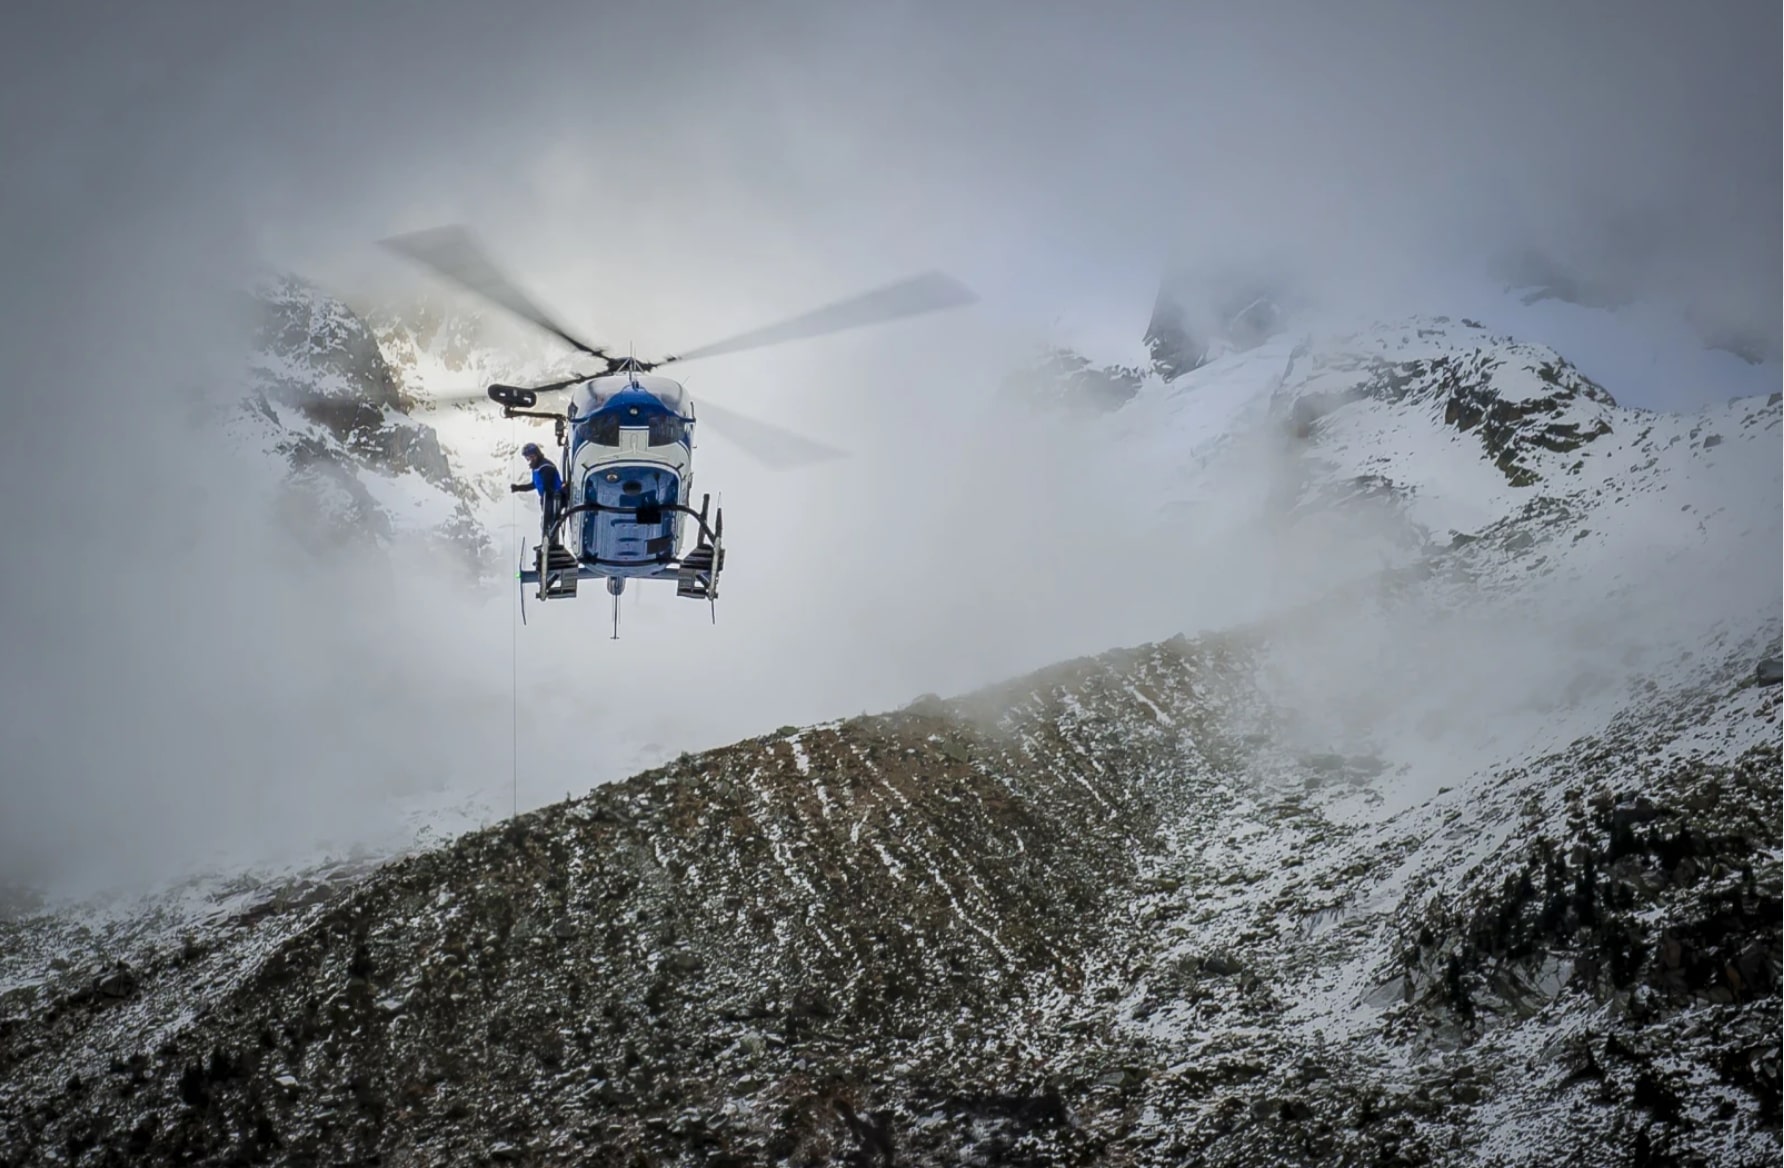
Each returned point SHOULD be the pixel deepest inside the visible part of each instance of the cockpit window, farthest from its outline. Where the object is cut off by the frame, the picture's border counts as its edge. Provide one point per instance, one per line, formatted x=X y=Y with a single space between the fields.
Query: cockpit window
x=665 y=429
x=602 y=430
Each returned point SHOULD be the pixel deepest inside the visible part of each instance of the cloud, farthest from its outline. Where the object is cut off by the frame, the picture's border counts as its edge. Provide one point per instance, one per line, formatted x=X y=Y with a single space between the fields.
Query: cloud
x=670 y=173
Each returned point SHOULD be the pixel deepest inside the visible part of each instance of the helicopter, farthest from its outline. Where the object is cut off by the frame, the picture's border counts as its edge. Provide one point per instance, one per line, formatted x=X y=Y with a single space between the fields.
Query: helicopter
x=626 y=436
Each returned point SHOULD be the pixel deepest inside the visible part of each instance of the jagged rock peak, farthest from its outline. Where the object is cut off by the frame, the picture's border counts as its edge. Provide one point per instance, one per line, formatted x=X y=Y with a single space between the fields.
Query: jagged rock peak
x=1198 y=316
x=1061 y=379
x=324 y=400
x=328 y=349
x=1520 y=398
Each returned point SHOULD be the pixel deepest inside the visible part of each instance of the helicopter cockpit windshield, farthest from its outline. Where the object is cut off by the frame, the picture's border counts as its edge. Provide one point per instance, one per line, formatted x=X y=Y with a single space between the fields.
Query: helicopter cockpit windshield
x=666 y=429
x=601 y=429
x=654 y=404
x=600 y=392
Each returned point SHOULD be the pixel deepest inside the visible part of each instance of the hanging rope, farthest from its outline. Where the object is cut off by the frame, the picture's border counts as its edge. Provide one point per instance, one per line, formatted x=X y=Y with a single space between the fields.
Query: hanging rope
x=514 y=647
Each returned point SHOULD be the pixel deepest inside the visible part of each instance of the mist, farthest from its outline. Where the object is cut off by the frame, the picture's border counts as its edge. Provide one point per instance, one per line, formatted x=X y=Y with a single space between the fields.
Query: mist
x=185 y=687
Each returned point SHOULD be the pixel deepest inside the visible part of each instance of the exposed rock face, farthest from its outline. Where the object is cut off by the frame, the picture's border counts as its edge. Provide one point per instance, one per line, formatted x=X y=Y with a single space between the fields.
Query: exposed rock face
x=335 y=357
x=1198 y=316
x=1518 y=398
x=426 y=329
x=436 y=348
x=327 y=402
x=1064 y=380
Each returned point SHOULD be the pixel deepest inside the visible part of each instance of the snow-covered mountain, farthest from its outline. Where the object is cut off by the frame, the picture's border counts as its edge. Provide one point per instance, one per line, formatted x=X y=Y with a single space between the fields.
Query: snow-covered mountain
x=1450 y=836
x=437 y=349
x=353 y=462
x=1200 y=316
x=345 y=402
x=1060 y=379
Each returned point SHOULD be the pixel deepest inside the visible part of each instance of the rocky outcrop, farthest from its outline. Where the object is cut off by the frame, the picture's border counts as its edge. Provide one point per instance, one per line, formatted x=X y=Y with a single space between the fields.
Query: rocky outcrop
x=1198 y=316
x=325 y=400
x=1520 y=399
x=1065 y=381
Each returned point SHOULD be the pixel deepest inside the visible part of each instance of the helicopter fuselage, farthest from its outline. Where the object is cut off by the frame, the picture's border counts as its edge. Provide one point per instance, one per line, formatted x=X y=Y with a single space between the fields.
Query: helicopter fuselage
x=627 y=450
x=628 y=471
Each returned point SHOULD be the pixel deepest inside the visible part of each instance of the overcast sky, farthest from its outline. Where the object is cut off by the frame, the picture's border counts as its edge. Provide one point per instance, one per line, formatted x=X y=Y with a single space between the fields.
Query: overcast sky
x=674 y=171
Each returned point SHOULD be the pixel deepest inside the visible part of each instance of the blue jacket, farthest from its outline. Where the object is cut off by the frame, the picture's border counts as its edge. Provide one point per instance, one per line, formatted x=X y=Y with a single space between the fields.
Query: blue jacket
x=546 y=480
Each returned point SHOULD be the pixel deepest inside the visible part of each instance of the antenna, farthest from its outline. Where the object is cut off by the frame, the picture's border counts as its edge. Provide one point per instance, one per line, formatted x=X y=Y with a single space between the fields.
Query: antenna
x=615 y=585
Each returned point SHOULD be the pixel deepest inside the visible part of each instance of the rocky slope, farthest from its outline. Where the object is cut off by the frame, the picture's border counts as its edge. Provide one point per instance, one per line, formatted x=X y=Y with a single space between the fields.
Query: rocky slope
x=1465 y=850
x=1096 y=917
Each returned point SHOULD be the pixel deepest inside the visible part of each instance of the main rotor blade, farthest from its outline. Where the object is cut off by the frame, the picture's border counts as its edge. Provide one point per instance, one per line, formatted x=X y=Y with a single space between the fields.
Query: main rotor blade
x=926 y=293
x=451 y=396
x=454 y=254
x=566 y=383
x=772 y=446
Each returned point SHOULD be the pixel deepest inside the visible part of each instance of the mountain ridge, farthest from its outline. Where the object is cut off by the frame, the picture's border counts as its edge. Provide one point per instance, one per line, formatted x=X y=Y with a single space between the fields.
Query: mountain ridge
x=728 y=964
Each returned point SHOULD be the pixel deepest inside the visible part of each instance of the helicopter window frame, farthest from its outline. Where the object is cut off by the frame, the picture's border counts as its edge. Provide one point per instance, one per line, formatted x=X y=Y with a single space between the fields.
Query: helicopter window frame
x=667 y=429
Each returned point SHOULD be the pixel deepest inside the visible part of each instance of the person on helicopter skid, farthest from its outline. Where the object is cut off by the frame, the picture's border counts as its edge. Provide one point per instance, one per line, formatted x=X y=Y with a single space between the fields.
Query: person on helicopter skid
x=547 y=482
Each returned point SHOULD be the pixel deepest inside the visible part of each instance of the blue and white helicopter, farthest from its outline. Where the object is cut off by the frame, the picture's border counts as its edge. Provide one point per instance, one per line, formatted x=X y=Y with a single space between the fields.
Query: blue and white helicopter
x=626 y=438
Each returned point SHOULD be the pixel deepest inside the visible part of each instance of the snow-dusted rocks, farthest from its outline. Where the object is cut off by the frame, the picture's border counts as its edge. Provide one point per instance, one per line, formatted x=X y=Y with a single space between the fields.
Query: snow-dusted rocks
x=1060 y=379
x=325 y=401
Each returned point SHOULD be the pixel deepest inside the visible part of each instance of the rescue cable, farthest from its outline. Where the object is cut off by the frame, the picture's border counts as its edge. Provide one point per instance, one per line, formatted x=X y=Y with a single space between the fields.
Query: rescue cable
x=514 y=654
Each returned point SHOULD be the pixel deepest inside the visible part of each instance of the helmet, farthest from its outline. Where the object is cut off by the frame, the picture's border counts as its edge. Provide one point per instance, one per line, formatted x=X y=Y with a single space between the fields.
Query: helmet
x=529 y=450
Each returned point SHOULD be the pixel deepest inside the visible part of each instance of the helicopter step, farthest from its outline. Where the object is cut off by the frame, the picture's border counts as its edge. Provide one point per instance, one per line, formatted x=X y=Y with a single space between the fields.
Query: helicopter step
x=559 y=574
x=698 y=576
